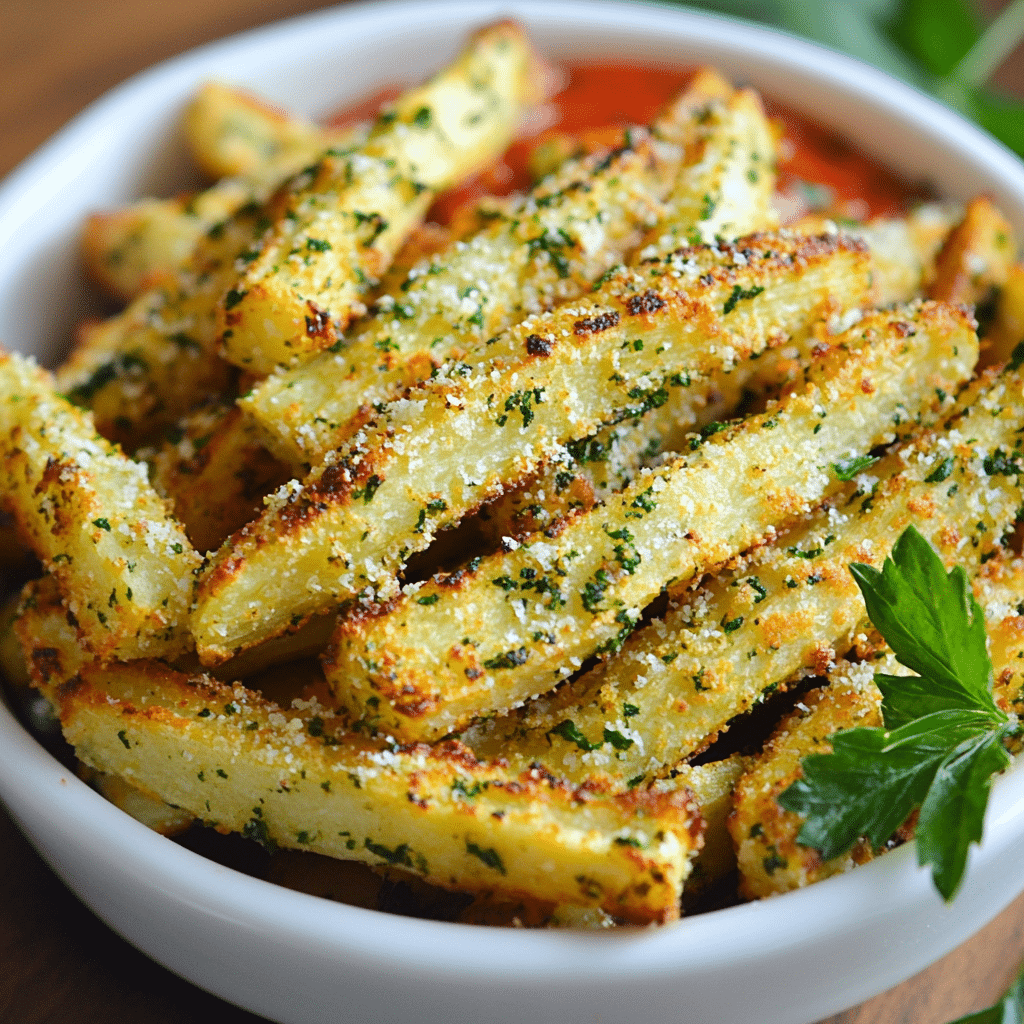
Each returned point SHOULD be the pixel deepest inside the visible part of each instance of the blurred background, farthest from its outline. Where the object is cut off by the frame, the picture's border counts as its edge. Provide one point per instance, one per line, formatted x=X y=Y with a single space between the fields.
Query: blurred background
x=57 y=56
x=62 y=964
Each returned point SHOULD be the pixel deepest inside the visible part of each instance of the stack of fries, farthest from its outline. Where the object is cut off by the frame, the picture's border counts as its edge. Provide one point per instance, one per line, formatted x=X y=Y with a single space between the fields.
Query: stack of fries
x=555 y=494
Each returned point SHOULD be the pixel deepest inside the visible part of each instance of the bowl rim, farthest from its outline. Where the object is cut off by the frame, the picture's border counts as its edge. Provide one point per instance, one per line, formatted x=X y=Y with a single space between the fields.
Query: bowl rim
x=862 y=897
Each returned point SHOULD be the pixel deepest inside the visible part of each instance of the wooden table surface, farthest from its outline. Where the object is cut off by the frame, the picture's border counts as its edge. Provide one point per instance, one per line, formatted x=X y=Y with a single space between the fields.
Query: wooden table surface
x=60 y=963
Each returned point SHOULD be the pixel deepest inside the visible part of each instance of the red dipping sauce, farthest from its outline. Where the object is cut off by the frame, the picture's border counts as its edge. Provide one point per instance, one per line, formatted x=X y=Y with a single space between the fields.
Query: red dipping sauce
x=815 y=164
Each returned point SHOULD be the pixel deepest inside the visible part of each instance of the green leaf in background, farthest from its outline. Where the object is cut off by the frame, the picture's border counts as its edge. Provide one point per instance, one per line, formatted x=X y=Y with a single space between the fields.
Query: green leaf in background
x=939 y=46
x=1001 y=116
x=937 y=33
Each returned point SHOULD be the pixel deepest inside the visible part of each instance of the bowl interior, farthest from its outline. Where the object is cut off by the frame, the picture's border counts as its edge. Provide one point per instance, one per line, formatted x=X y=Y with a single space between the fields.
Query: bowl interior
x=284 y=953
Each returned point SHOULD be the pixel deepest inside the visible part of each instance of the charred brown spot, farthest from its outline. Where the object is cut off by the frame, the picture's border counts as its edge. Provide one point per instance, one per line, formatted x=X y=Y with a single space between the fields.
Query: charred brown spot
x=450 y=579
x=318 y=324
x=361 y=616
x=51 y=474
x=596 y=785
x=538 y=346
x=334 y=479
x=538 y=773
x=69 y=688
x=454 y=753
x=46 y=661
x=415 y=704
x=595 y=324
x=822 y=656
x=649 y=302
x=949 y=536
x=867 y=386
x=903 y=329
x=336 y=483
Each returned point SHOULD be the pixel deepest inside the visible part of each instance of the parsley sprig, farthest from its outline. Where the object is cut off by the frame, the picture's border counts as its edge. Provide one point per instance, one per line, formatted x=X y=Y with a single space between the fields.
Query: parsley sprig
x=943 y=738
x=940 y=46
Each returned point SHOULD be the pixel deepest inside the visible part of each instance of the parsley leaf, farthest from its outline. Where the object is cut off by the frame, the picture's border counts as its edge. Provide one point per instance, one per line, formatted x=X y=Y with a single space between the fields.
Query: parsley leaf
x=931 y=621
x=847 y=469
x=944 y=735
x=940 y=46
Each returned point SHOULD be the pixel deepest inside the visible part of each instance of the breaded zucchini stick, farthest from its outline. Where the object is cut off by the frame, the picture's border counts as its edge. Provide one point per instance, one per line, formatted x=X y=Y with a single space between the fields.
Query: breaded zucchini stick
x=215 y=472
x=290 y=777
x=123 y=563
x=712 y=786
x=232 y=132
x=143 y=370
x=726 y=189
x=789 y=610
x=456 y=440
x=346 y=217
x=1006 y=331
x=127 y=250
x=573 y=229
x=976 y=256
x=518 y=622
x=903 y=249
x=902 y=261
x=528 y=259
x=770 y=859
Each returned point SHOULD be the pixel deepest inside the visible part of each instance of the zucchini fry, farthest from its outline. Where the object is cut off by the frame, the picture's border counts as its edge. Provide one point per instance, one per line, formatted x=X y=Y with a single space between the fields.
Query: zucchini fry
x=789 y=610
x=903 y=249
x=527 y=260
x=144 y=369
x=571 y=231
x=1006 y=332
x=456 y=440
x=215 y=473
x=726 y=190
x=902 y=262
x=712 y=786
x=124 y=565
x=236 y=137
x=486 y=639
x=231 y=132
x=976 y=256
x=344 y=219
x=290 y=778
x=129 y=250
x=770 y=859
x=596 y=467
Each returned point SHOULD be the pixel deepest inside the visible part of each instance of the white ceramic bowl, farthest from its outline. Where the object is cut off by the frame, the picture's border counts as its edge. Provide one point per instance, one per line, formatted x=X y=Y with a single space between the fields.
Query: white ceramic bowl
x=299 y=959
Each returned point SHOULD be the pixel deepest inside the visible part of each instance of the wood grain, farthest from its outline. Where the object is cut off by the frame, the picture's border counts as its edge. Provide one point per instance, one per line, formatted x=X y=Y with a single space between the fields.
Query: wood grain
x=60 y=962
